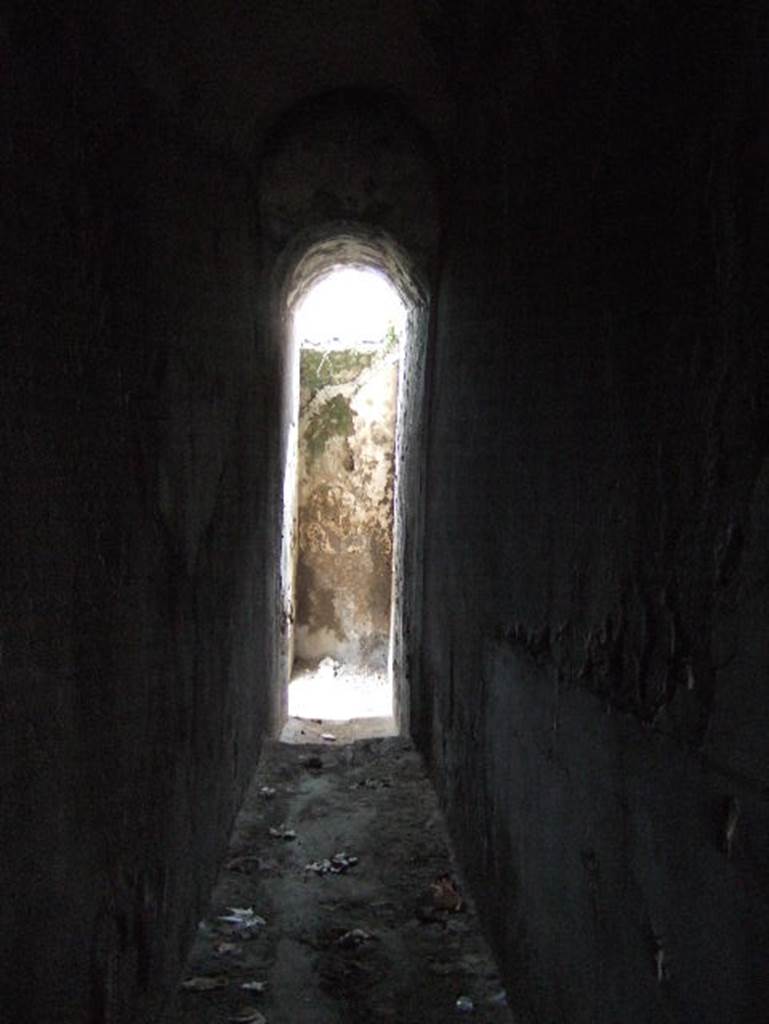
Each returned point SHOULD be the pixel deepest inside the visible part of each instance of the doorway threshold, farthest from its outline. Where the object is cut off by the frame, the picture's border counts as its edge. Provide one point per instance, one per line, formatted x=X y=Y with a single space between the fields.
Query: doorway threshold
x=333 y=732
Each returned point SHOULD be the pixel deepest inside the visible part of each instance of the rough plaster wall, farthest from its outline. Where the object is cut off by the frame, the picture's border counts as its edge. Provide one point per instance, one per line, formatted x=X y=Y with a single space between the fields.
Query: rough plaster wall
x=145 y=407
x=595 y=660
x=344 y=550
x=410 y=700
x=137 y=599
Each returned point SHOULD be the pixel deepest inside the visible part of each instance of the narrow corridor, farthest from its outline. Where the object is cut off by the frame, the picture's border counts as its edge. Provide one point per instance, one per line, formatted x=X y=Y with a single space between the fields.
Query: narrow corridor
x=561 y=565
x=355 y=916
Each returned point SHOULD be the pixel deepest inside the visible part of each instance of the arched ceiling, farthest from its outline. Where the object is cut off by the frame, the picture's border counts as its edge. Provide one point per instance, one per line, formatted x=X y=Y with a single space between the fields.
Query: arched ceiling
x=349 y=178
x=231 y=69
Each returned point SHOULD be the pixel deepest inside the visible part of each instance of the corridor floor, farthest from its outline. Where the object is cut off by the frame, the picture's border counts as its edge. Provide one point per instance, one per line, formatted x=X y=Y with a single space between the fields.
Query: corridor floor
x=343 y=900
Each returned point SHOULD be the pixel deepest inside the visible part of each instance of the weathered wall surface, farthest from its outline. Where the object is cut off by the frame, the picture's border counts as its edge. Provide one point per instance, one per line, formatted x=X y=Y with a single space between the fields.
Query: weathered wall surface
x=139 y=530
x=345 y=508
x=410 y=700
x=595 y=658
x=145 y=400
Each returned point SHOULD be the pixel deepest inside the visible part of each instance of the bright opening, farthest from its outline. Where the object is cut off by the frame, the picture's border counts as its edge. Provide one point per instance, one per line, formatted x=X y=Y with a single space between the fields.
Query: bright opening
x=348 y=329
x=348 y=308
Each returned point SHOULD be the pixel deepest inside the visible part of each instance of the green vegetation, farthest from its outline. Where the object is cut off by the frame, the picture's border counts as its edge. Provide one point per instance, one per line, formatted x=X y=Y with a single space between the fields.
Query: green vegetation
x=391 y=341
x=333 y=419
x=317 y=368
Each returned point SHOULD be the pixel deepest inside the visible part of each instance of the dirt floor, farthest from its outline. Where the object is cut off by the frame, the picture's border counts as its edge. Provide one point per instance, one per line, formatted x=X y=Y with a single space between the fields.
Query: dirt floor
x=312 y=730
x=380 y=933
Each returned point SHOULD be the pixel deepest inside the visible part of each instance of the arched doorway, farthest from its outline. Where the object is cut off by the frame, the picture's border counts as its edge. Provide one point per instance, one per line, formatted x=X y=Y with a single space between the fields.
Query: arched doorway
x=370 y=202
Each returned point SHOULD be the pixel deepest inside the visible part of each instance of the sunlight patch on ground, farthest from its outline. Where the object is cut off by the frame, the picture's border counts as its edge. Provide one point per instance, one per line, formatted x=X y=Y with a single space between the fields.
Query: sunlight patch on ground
x=337 y=692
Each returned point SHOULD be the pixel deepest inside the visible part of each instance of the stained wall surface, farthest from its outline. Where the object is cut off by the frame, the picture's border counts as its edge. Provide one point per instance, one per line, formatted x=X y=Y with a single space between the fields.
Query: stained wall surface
x=347 y=408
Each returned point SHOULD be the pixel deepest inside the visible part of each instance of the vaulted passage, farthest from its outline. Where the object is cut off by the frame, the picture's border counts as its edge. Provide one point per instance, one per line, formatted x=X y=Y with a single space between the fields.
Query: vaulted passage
x=571 y=204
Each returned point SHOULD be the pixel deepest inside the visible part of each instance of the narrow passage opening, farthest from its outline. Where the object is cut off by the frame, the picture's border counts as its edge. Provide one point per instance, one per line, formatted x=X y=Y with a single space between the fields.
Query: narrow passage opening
x=348 y=330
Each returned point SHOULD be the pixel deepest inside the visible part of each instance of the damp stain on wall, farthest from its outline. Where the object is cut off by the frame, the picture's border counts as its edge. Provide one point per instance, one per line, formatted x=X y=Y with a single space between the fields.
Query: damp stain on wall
x=345 y=509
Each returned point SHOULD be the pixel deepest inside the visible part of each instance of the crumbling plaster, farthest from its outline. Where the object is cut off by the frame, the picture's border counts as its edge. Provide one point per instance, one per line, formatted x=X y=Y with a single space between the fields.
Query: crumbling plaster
x=345 y=506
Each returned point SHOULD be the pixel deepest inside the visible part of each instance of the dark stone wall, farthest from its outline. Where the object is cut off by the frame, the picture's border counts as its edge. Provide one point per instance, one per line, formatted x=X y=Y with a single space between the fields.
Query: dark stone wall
x=146 y=398
x=409 y=698
x=593 y=678
x=139 y=530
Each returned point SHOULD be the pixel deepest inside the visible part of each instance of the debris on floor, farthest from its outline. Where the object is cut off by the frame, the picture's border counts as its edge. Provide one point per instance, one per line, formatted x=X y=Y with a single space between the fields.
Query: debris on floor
x=203 y=984
x=336 y=865
x=248 y=1015
x=372 y=784
x=354 y=938
x=384 y=935
x=446 y=894
x=243 y=921
x=225 y=948
x=281 y=832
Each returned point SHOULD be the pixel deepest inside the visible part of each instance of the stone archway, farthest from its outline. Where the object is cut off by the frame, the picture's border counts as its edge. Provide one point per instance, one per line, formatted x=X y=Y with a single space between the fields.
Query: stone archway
x=369 y=200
